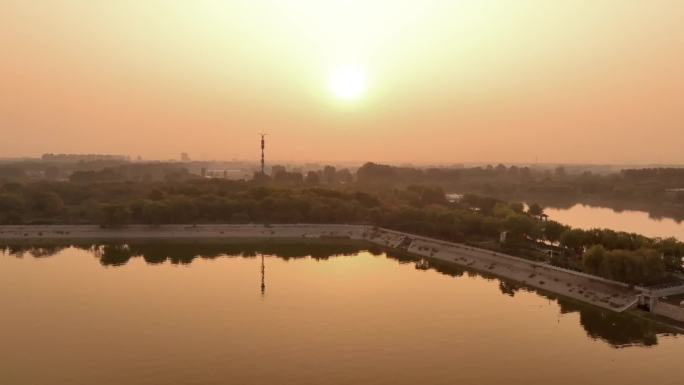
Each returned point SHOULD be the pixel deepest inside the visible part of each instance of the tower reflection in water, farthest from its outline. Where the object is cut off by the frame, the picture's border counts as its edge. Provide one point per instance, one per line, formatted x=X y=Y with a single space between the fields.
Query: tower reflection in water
x=263 y=274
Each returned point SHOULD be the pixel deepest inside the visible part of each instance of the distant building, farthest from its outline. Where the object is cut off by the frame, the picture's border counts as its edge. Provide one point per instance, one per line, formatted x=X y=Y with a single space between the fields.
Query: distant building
x=276 y=169
x=184 y=157
x=675 y=192
x=83 y=157
x=223 y=174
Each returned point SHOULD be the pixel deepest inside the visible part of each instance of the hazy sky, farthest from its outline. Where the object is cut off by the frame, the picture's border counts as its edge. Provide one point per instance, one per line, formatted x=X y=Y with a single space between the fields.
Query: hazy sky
x=424 y=81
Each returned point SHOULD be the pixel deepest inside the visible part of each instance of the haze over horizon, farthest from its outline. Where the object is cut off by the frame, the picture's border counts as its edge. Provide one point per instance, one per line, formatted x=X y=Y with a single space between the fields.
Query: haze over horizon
x=421 y=82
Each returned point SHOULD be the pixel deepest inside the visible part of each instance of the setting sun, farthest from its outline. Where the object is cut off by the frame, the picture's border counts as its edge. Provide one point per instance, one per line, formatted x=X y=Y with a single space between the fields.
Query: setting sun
x=348 y=83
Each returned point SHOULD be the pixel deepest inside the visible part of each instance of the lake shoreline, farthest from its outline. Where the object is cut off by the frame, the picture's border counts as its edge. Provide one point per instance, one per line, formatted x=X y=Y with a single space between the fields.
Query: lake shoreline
x=593 y=290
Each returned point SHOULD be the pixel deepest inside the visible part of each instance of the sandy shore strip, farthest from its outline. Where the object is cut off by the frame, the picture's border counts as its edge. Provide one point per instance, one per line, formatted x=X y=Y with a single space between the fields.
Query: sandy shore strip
x=594 y=290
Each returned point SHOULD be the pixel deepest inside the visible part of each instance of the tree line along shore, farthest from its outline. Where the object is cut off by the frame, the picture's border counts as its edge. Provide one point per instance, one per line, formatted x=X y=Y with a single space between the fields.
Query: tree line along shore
x=656 y=190
x=479 y=221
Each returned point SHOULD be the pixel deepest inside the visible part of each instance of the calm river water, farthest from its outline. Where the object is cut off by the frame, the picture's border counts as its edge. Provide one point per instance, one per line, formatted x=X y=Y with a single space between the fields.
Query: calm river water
x=196 y=314
x=588 y=217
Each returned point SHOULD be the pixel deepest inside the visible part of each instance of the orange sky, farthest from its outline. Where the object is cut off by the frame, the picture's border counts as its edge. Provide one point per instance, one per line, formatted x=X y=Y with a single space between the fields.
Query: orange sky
x=447 y=81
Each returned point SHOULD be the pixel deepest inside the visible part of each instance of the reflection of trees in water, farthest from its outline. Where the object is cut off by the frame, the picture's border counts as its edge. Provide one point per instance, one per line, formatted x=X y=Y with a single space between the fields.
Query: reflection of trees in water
x=435 y=264
x=508 y=288
x=117 y=254
x=19 y=250
x=616 y=329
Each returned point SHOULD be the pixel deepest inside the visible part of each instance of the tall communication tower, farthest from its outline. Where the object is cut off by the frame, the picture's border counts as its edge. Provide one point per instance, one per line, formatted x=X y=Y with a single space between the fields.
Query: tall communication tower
x=263 y=146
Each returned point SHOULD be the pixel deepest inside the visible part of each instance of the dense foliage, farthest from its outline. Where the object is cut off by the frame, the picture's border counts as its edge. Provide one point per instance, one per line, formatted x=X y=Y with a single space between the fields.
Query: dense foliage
x=659 y=191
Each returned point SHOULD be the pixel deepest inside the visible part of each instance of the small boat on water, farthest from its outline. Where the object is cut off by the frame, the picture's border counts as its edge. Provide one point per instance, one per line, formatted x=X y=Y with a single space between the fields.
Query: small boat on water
x=423 y=264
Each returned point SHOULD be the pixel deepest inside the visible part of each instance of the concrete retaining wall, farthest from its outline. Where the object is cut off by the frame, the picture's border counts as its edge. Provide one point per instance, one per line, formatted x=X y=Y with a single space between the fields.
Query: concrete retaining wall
x=607 y=294
x=668 y=310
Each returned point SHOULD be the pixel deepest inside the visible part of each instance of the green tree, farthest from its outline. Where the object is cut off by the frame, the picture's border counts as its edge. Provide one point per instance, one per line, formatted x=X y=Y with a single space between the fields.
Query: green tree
x=573 y=239
x=593 y=259
x=115 y=214
x=535 y=210
x=154 y=212
x=48 y=202
x=517 y=207
x=11 y=202
x=672 y=252
x=518 y=226
x=553 y=230
x=643 y=266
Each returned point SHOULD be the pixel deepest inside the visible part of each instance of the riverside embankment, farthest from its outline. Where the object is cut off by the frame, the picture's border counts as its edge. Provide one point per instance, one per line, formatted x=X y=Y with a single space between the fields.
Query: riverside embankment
x=597 y=291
